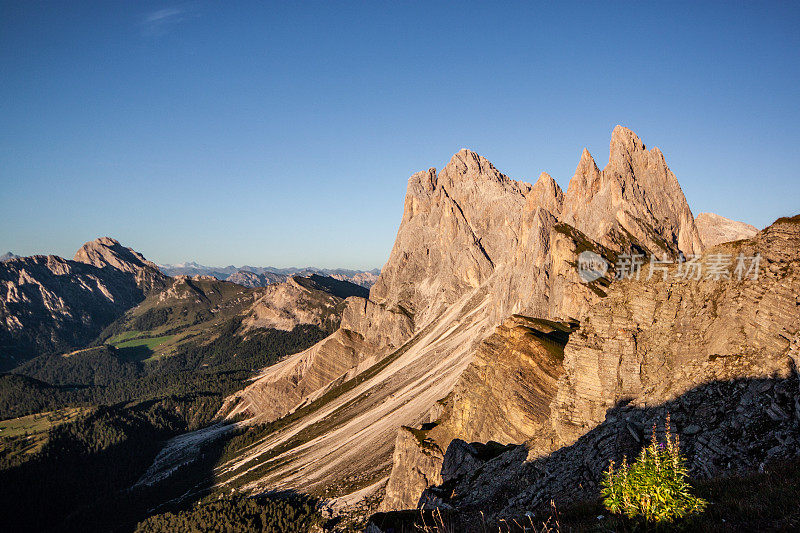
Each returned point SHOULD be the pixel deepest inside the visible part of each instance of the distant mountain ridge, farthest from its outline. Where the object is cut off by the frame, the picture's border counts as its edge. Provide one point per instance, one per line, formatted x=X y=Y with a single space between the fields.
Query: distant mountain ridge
x=50 y=304
x=252 y=276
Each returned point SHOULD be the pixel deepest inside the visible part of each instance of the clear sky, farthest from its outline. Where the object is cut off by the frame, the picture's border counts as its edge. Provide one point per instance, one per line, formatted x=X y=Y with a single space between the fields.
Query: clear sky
x=284 y=133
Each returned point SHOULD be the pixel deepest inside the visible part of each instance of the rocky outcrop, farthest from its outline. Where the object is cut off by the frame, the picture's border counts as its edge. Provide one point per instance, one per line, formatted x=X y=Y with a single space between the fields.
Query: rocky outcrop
x=335 y=286
x=719 y=355
x=715 y=229
x=546 y=194
x=504 y=394
x=725 y=428
x=294 y=302
x=299 y=379
x=635 y=197
x=49 y=304
x=421 y=460
x=251 y=279
x=656 y=338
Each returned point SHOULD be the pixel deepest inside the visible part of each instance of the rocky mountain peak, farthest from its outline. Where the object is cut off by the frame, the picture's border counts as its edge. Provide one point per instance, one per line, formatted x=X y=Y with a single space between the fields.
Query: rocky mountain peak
x=465 y=160
x=456 y=225
x=466 y=165
x=474 y=247
x=628 y=153
x=547 y=194
x=635 y=200
x=106 y=251
x=715 y=229
x=623 y=141
x=585 y=183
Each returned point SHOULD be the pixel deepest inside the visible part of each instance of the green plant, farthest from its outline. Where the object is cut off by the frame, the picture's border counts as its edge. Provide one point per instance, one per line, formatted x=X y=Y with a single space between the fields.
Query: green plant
x=655 y=488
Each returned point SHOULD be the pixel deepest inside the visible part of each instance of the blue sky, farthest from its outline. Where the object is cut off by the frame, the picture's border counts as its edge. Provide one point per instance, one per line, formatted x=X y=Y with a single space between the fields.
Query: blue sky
x=284 y=133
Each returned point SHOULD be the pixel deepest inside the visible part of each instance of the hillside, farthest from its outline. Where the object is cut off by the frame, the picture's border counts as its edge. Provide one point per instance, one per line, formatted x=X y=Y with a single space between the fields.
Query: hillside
x=182 y=338
x=160 y=370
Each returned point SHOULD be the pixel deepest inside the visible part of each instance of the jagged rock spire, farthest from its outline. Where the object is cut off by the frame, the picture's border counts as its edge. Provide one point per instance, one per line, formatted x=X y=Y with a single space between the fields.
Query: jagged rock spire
x=636 y=197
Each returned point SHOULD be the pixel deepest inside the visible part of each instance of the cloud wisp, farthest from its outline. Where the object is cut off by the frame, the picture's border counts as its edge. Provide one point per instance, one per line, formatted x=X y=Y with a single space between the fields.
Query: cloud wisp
x=161 y=21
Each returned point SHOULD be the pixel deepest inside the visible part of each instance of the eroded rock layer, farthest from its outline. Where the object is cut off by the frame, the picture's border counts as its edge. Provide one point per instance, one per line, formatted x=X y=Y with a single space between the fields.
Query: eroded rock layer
x=656 y=338
x=719 y=355
x=504 y=395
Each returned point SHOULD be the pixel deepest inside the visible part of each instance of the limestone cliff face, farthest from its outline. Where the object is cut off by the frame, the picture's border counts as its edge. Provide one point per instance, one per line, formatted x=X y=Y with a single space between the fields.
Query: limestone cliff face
x=720 y=355
x=504 y=394
x=421 y=460
x=50 y=304
x=657 y=339
x=715 y=229
x=457 y=227
x=636 y=195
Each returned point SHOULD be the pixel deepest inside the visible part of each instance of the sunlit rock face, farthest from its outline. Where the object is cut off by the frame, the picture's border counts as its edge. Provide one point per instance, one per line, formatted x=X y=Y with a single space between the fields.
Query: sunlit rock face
x=636 y=196
x=719 y=355
x=505 y=393
x=651 y=340
x=715 y=229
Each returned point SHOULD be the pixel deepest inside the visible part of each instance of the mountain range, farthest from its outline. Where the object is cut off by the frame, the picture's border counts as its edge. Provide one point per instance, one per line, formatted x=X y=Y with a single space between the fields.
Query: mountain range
x=53 y=305
x=251 y=276
x=482 y=374
x=480 y=328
